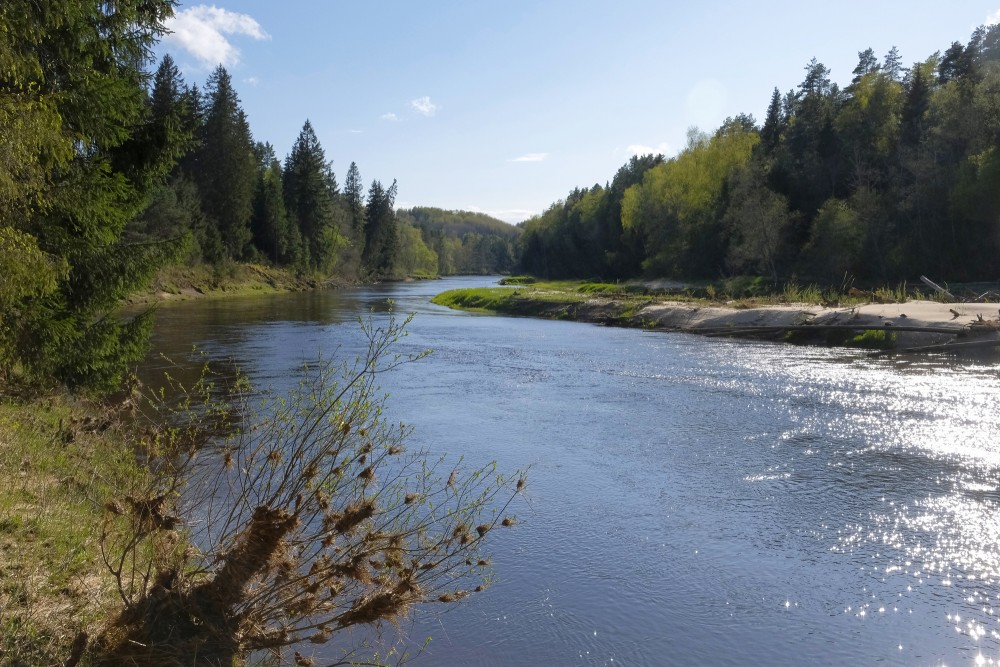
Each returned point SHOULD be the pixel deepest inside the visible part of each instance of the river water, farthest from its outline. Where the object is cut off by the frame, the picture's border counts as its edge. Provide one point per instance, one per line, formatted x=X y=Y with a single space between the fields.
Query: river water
x=690 y=500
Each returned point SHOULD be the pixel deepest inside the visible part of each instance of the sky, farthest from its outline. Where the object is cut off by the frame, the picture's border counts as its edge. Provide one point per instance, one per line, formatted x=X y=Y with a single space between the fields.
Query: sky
x=505 y=107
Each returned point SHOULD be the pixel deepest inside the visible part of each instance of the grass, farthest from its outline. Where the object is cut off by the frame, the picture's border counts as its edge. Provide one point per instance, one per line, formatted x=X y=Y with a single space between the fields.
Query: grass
x=874 y=339
x=58 y=467
x=738 y=292
x=182 y=281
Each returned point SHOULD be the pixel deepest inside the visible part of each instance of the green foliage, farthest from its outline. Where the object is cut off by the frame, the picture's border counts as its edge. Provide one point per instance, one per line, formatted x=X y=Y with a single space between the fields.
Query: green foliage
x=226 y=165
x=464 y=242
x=518 y=280
x=873 y=339
x=83 y=149
x=891 y=177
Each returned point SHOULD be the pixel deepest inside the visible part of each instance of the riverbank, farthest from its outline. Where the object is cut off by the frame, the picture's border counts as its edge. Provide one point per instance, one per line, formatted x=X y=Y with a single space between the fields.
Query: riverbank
x=183 y=282
x=61 y=461
x=917 y=325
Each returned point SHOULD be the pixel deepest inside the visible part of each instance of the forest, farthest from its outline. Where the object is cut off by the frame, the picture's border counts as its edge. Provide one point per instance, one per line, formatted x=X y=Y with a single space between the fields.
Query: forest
x=112 y=169
x=895 y=175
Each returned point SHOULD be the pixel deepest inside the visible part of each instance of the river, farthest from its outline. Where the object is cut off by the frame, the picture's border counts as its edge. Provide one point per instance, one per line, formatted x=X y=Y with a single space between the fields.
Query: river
x=691 y=500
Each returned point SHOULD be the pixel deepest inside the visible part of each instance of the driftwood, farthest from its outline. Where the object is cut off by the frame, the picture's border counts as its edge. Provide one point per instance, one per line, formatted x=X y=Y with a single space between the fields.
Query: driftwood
x=937 y=288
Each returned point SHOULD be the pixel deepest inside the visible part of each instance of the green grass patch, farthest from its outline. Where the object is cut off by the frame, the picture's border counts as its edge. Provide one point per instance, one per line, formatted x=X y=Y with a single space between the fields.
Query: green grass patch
x=491 y=299
x=518 y=280
x=57 y=470
x=873 y=339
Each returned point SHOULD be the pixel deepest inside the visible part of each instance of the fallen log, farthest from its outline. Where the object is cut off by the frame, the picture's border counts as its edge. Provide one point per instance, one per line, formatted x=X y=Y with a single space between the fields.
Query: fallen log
x=937 y=288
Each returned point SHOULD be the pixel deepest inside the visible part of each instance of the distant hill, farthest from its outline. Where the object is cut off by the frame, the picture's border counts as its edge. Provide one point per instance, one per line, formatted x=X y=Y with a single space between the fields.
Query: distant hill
x=466 y=242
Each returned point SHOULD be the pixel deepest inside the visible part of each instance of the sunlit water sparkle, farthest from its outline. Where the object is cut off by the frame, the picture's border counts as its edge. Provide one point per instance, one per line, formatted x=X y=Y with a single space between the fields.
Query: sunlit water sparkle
x=691 y=500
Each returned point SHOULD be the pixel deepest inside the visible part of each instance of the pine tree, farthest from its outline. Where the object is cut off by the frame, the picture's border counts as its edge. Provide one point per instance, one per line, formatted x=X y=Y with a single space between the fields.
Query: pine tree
x=272 y=233
x=226 y=167
x=82 y=151
x=380 y=230
x=770 y=134
x=354 y=194
x=310 y=190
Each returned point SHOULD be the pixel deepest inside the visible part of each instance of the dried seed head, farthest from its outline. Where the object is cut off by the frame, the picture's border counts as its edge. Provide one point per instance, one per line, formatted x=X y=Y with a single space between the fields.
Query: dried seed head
x=367 y=475
x=483 y=529
x=521 y=483
x=508 y=522
x=394 y=450
x=354 y=514
x=412 y=498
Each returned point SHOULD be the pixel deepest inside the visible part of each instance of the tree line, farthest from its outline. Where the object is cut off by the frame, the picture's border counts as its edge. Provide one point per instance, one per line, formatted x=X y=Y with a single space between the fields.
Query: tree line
x=895 y=175
x=236 y=201
x=109 y=171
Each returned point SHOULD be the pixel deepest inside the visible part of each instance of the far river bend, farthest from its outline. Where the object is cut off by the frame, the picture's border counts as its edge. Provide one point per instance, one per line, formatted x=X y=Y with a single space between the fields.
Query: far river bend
x=691 y=500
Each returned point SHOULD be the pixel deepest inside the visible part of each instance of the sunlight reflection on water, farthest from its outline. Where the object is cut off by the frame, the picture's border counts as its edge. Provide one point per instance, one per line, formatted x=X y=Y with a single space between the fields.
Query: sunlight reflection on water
x=692 y=500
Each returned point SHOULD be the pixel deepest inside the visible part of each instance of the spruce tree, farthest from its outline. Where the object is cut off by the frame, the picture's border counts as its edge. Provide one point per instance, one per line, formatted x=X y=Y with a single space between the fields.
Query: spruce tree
x=380 y=230
x=82 y=151
x=226 y=166
x=354 y=199
x=310 y=190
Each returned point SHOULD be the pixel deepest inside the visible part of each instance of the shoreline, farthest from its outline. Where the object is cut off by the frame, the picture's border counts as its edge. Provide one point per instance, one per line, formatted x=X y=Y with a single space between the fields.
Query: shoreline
x=917 y=326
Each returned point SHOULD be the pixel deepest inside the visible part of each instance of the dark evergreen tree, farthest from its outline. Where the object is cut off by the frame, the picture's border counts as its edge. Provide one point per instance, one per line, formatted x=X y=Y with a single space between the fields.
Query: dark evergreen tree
x=915 y=106
x=310 y=190
x=380 y=230
x=867 y=64
x=770 y=134
x=272 y=233
x=354 y=199
x=226 y=167
x=81 y=153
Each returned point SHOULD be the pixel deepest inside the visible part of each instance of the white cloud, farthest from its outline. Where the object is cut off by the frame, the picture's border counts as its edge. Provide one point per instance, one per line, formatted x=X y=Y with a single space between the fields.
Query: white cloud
x=253 y=81
x=356 y=131
x=201 y=31
x=641 y=149
x=530 y=157
x=993 y=18
x=389 y=116
x=511 y=215
x=423 y=105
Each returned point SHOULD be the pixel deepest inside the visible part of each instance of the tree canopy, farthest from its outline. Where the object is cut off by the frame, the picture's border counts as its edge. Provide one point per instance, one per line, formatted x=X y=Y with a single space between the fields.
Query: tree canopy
x=890 y=177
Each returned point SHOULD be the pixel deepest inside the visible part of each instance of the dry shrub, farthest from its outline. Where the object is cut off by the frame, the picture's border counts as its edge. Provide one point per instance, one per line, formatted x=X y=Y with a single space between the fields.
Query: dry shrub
x=307 y=518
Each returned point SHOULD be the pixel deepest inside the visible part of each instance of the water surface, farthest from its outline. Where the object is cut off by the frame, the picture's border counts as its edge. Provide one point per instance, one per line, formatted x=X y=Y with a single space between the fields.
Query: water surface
x=691 y=500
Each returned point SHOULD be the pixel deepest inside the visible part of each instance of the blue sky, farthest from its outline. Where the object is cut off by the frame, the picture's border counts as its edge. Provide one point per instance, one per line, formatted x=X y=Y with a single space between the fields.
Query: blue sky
x=504 y=107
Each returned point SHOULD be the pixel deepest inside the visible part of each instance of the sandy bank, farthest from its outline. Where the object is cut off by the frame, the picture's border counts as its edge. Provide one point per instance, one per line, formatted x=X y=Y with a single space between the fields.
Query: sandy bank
x=914 y=323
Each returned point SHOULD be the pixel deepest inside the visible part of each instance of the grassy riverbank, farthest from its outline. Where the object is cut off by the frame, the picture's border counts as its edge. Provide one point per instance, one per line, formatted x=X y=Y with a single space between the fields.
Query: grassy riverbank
x=61 y=462
x=881 y=319
x=183 y=282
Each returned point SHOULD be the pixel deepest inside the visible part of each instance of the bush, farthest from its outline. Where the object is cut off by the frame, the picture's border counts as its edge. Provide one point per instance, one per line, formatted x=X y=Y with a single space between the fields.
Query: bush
x=308 y=519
